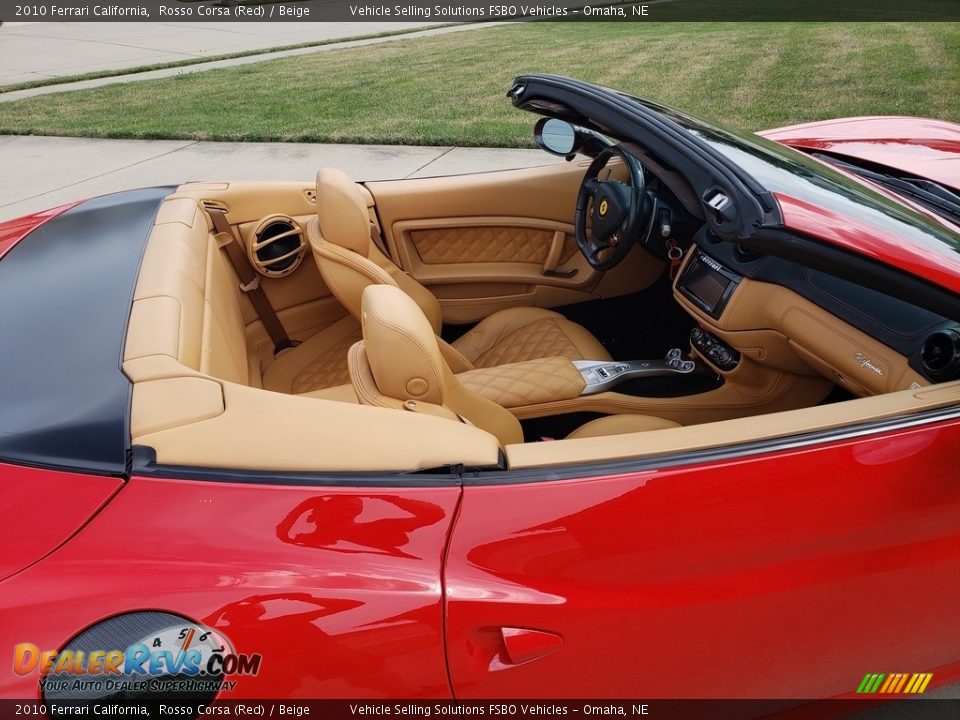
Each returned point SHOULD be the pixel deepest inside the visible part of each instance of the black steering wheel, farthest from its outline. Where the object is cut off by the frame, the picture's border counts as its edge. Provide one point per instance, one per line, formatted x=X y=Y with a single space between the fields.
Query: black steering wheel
x=618 y=212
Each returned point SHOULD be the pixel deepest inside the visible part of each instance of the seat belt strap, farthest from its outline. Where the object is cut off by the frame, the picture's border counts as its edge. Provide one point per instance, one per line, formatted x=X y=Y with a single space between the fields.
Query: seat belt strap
x=377 y=239
x=250 y=282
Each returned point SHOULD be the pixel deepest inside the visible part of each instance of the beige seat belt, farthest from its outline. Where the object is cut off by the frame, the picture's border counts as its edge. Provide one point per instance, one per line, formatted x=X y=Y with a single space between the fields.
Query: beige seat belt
x=250 y=282
x=377 y=239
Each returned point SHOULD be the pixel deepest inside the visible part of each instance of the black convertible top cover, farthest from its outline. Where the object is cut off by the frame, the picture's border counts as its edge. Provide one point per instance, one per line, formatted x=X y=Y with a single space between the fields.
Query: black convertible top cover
x=65 y=296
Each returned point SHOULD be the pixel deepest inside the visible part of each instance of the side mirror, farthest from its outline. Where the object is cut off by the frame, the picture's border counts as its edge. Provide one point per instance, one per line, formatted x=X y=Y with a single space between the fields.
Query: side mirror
x=557 y=137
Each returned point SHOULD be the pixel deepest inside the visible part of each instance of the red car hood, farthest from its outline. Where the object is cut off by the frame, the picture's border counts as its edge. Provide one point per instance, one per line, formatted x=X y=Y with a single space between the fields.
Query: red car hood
x=920 y=146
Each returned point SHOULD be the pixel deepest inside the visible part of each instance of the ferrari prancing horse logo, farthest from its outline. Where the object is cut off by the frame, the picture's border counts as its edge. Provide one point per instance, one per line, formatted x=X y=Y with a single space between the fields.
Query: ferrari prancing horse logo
x=603 y=208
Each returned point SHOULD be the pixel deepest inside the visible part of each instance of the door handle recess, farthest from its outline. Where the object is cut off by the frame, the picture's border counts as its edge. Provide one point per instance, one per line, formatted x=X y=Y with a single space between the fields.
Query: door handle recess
x=521 y=645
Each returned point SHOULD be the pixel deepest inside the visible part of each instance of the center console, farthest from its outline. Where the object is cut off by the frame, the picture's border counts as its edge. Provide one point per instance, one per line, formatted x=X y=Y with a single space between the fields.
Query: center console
x=602 y=376
x=720 y=354
x=703 y=386
x=556 y=379
x=707 y=284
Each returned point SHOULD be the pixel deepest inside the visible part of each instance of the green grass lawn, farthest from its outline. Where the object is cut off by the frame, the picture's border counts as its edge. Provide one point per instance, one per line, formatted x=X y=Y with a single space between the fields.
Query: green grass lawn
x=193 y=61
x=450 y=89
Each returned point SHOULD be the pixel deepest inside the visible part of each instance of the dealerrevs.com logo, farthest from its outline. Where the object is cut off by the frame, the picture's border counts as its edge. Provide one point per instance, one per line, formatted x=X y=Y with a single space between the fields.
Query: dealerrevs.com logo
x=137 y=656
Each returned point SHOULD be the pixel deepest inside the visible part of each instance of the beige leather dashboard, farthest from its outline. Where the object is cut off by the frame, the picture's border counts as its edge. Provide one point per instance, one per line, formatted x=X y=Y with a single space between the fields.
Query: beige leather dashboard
x=775 y=326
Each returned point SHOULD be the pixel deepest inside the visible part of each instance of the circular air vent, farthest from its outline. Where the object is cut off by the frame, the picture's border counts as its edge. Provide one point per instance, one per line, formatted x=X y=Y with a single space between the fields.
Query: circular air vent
x=940 y=354
x=278 y=246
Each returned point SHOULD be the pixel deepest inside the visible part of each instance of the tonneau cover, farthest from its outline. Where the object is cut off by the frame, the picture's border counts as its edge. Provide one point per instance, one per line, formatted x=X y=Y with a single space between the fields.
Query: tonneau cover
x=65 y=296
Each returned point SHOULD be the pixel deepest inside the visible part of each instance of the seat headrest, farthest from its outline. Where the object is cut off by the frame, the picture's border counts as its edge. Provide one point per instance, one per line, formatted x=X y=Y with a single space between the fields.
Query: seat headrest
x=401 y=347
x=342 y=211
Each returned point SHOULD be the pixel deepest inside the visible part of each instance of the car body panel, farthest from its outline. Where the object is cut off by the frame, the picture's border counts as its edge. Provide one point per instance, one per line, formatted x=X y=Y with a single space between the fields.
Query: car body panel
x=788 y=567
x=339 y=589
x=860 y=234
x=13 y=231
x=925 y=147
x=30 y=528
x=824 y=203
x=786 y=575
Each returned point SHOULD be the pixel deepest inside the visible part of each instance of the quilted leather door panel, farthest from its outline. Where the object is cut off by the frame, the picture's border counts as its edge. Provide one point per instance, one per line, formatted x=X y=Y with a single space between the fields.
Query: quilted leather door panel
x=481 y=242
x=504 y=243
x=490 y=241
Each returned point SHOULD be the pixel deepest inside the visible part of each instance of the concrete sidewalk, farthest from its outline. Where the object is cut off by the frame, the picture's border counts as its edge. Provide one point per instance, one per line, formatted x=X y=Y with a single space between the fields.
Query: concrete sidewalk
x=42 y=172
x=31 y=50
x=38 y=51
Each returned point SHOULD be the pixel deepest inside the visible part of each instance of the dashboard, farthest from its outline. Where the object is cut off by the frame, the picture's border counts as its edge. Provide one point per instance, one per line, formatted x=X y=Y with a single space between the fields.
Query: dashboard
x=779 y=313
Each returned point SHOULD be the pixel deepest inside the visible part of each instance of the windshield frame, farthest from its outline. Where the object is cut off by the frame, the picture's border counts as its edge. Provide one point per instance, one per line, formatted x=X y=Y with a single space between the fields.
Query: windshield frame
x=786 y=171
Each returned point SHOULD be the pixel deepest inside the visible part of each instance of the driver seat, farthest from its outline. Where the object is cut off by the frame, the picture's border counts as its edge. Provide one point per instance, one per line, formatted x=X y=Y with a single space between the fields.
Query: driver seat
x=399 y=365
x=340 y=236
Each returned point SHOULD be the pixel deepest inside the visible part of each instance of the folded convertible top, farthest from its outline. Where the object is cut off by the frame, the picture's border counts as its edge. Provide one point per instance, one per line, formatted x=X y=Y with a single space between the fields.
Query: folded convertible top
x=65 y=296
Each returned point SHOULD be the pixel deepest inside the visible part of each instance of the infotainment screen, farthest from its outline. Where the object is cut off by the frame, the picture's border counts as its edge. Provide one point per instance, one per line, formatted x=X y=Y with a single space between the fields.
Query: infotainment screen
x=707 y=283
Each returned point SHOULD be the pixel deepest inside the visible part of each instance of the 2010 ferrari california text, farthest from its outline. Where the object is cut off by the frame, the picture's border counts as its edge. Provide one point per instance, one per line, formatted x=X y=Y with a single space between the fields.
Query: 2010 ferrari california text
x=686 y=406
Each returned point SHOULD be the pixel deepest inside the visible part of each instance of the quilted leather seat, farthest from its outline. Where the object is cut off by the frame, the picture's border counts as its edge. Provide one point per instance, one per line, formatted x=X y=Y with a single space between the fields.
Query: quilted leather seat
x=316 y=363
x=399 y=365
x=349 y=262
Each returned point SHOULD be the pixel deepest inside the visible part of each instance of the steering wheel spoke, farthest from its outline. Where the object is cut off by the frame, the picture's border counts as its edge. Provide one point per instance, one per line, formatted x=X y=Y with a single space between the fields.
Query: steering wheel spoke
x=596 y=246
x=600 y=244
x=591 y=185
x=617 y=211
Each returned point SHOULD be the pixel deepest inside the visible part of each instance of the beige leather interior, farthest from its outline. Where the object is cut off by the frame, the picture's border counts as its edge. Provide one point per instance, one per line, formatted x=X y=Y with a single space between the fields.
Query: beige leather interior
x=521 y=384
x=751 y=389
x=201 y=363
x=318 y=363
x=186 y=305
x=190 y=366
x=188 y=308
x=730 y=432
x=350 y=262
x=484 y=240
x=621 y=425
x=296 y=433
x=399 y=365
x=347 y=259
x=302 y=301
x=452 y=235
x=776 y=327
x=519 y=334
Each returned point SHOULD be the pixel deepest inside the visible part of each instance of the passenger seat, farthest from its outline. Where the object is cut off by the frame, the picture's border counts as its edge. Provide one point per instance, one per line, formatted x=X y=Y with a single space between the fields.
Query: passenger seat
x=350 y=262
x=398 y=364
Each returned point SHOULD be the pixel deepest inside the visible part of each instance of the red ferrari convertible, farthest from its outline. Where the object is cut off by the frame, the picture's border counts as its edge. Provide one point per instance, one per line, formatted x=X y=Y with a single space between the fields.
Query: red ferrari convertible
x=676 y=418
